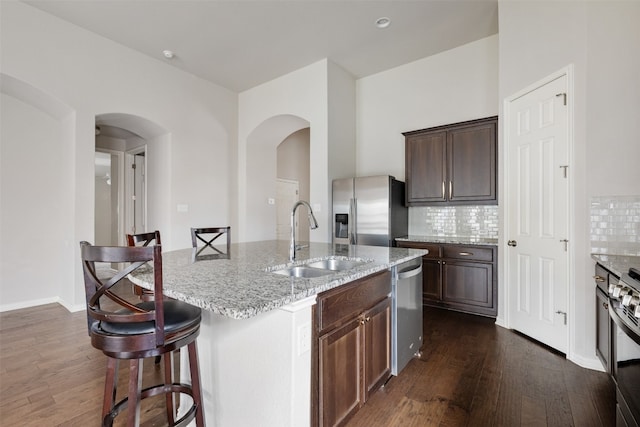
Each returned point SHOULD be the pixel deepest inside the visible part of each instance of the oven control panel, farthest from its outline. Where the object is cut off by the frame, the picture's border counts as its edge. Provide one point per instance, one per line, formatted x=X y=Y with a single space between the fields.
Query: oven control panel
x=627 y=292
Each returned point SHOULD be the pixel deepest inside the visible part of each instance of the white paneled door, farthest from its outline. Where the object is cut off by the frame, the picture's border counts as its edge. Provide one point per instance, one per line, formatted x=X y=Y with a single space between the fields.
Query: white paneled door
x=538 y=205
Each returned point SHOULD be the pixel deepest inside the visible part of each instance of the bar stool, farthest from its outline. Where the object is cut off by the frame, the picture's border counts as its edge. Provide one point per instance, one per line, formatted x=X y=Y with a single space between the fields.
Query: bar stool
x=143 y=239
x=197 y=235
x=123 y=330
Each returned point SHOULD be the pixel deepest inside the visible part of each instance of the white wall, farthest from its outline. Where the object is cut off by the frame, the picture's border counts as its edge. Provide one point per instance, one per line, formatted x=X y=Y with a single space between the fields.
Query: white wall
x=267 y=114
x=600 y=40
x=341 y=161
x=90 y=75
x=33 y=222
x=453 y=86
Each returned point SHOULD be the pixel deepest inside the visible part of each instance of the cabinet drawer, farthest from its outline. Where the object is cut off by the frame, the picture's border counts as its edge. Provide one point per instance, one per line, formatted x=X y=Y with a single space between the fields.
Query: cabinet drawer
x=340 y=304
x=474 y=253
x=433 y=248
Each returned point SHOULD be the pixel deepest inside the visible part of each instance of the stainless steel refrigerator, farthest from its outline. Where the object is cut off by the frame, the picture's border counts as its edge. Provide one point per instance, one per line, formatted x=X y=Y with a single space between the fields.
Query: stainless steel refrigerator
x=369 y=211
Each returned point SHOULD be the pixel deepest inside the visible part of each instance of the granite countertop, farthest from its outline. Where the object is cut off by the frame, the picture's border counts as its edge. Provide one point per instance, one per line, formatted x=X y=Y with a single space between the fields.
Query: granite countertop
x=240 y=287
x=617 y=264
x=464 y=240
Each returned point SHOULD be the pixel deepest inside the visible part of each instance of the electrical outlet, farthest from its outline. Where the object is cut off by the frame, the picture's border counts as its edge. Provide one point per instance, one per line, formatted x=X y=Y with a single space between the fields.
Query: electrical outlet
x=304 y=338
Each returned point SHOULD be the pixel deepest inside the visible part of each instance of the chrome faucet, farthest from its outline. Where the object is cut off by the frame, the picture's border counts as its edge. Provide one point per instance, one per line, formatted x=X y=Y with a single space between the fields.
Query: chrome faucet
x=313 y=224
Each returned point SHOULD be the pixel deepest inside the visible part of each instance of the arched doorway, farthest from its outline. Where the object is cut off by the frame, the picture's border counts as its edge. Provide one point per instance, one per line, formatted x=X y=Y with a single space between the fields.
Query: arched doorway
x=262 y=173
x=124 y=145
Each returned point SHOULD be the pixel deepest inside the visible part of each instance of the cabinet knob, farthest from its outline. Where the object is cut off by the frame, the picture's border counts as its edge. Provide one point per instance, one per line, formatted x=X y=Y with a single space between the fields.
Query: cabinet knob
x=512 y=243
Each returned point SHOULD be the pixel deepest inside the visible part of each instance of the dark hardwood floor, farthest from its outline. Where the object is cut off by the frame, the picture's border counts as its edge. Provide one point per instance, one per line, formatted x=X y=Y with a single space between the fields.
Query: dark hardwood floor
x=474 y=373
x=471 y=373
x=50 y=375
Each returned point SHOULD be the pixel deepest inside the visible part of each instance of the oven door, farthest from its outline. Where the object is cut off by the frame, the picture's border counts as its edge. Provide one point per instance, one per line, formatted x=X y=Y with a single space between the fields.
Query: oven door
x=626 y=367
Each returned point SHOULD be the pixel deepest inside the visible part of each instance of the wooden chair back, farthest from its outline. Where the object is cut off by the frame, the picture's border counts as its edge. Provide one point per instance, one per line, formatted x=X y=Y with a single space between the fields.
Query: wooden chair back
x=106 y=302
x=202 y=234
x=144 y=239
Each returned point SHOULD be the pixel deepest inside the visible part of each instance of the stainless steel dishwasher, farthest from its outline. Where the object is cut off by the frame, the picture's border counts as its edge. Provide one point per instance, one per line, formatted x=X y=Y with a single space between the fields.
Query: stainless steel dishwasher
x=406 y=317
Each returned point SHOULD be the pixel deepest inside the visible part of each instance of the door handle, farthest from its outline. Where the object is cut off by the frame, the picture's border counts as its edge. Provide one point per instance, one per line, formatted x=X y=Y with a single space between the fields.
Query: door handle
x=512 y=243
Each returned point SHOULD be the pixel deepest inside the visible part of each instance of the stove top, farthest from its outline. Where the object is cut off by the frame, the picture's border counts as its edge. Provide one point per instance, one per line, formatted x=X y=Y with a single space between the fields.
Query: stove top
x=627 y=295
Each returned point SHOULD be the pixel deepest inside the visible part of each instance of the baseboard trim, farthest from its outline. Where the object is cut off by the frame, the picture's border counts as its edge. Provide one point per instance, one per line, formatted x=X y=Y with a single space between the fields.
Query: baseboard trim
x=34 y=303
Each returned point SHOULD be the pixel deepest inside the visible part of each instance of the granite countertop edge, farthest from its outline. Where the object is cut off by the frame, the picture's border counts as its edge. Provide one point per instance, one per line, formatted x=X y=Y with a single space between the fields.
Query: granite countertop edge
x=243 y=286
x=460 y=240
x=617 y=264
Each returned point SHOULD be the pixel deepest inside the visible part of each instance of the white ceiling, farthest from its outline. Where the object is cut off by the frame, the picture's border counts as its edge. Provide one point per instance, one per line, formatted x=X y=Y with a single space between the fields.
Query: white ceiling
x=240 y=44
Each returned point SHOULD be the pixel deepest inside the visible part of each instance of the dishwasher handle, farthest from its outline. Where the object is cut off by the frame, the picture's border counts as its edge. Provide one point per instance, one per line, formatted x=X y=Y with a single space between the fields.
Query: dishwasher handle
x=410 y=273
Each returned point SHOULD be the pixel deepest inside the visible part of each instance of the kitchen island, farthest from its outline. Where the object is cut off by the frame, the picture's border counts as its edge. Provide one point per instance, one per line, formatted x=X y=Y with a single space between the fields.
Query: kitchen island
x=256 y=332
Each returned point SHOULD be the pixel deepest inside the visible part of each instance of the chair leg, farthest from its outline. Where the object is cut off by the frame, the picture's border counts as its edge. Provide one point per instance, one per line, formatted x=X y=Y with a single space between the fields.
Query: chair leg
x=135 y=388
x=110 y=383
x=168 y=380
x=195 y=383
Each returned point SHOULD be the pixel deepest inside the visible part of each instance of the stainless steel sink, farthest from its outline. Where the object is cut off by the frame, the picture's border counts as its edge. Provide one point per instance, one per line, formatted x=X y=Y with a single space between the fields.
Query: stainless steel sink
x=318 y=268
x=336 y=264
x=302 y=271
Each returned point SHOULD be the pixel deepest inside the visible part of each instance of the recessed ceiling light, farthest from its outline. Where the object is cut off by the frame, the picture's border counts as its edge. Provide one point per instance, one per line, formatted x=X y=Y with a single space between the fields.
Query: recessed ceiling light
x=383 y=22
x=168 y=54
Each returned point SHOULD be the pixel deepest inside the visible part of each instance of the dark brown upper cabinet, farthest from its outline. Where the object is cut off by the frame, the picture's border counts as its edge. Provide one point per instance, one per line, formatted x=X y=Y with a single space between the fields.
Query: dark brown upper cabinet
x=453 y=164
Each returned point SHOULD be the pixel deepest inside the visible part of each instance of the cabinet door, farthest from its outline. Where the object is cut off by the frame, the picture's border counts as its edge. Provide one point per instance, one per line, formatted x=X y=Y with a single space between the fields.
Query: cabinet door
x=425 y=167
x=471 y=163
x=603 y=330
x=468 y=286
x=377 y=349
x=431 y=280
x=340 y=365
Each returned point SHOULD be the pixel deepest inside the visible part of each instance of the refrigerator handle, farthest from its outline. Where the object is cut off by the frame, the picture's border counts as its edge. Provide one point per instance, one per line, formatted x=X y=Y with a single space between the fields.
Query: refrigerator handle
x=352 y=221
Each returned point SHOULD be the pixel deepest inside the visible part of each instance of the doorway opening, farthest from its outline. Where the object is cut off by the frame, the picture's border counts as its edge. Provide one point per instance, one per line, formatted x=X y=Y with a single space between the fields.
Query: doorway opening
x=292 y=183
x=136 y=191
x=109 y=174
x=125 y=147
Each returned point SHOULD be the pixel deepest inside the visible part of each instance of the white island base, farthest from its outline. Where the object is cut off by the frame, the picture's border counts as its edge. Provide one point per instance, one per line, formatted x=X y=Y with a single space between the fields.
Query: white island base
x=256 y=371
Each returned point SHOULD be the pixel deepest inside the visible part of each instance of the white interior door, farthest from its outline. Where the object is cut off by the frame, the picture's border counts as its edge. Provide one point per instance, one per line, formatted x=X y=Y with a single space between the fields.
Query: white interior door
x=287 y=194
x=537 y=156
x=136 y=192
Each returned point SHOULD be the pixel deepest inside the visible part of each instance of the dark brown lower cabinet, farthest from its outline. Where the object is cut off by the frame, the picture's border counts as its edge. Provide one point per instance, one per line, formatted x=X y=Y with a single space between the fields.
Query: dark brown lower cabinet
x=459 y=277
x=603 y=330
x=604 y=324
x=340 y=372
x=352 y=327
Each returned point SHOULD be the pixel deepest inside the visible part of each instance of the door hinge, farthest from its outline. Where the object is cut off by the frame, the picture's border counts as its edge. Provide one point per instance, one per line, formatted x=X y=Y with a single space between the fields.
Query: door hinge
x=133 y=165
x=564 y=98
x=564 y=314
x=566 y=244
x=564 y=167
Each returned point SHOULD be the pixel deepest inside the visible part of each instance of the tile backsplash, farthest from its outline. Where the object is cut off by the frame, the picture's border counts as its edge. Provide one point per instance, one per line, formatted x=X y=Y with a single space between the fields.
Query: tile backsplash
x=467 y=221
x=615 y=225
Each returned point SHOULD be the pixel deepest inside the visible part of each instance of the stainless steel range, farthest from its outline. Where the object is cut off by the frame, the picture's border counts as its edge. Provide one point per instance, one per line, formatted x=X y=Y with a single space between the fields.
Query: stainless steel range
x=624 y=309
